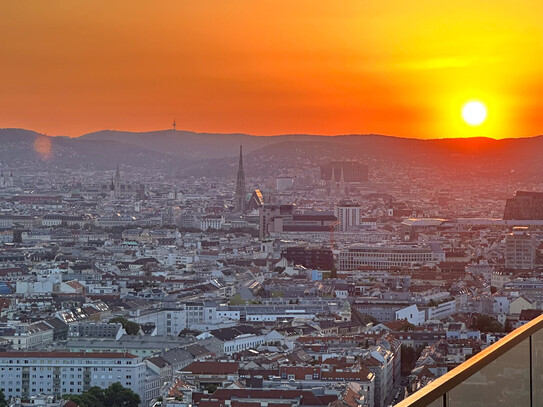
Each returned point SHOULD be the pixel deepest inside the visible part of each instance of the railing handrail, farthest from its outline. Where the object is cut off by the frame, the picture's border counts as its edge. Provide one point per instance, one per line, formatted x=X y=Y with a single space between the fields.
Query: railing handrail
x=459 y=374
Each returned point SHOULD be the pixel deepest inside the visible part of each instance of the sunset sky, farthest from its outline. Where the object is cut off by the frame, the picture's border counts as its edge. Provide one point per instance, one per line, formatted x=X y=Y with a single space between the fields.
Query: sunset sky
x=393 y=67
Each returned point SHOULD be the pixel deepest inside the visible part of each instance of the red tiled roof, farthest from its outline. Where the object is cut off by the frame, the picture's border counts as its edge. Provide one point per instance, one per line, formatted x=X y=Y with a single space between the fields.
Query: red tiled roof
x=212 y=367
x=70 y=403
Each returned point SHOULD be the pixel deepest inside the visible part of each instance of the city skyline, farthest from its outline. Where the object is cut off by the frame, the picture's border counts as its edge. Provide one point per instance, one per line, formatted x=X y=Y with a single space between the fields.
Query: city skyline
x=342 y=205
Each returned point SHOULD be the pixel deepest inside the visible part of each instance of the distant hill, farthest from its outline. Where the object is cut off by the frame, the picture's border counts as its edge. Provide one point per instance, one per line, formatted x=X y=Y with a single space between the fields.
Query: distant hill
x=212 y=145
x=19 y=147
x=215 y=154
x=194 y=145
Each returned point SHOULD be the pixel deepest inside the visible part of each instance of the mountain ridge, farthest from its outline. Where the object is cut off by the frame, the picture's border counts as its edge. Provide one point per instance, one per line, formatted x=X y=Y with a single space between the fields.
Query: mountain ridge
x=216 y=153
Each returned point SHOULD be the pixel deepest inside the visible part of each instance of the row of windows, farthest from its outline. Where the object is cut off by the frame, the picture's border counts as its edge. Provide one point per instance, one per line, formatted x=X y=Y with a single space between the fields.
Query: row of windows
x=62 y=362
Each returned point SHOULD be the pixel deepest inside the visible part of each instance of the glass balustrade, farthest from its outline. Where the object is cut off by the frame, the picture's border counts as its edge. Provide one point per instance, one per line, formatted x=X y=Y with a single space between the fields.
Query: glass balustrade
x=507 y=373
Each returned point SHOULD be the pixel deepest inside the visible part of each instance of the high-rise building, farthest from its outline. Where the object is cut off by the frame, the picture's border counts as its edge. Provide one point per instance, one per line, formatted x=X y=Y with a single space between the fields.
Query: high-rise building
x=347 y=214
x=525 y=205
x=240 y=198
x=519 y=249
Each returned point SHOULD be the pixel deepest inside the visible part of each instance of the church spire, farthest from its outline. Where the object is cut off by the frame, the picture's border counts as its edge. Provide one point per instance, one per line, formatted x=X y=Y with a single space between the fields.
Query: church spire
x=239 y=200
x=342 y=189
x=333 y=185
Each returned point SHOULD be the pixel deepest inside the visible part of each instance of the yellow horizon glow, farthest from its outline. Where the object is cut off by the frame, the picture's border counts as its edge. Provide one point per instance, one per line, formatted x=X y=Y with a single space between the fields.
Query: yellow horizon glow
x=266 y=67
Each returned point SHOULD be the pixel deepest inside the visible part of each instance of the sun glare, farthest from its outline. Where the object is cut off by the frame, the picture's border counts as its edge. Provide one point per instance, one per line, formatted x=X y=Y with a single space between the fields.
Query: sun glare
x=474 y=113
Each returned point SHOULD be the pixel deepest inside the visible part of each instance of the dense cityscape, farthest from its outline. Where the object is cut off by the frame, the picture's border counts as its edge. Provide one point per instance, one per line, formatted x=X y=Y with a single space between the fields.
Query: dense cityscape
x=271 y=203
x=325 y=282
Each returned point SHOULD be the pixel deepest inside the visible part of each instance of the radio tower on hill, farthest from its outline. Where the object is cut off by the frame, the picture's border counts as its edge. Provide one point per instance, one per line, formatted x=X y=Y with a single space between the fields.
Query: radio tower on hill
x=239 y=200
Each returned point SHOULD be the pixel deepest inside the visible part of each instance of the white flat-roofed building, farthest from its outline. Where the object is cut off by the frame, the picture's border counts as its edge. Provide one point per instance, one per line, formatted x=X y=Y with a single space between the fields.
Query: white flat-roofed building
x=385 y=257
x=25 y=374
x=211 y=222
x=348 y=215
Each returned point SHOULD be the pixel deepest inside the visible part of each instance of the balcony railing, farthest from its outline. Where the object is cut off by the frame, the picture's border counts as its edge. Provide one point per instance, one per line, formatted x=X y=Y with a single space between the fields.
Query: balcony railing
x=507 y=373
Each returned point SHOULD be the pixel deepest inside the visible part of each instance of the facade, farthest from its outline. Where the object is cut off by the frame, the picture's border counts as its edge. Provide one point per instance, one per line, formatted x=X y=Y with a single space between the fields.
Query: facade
x=525 y=205
x=310 y=257
x=96 y=330
x=387 y=311
x=28 y=336
x=519 y=249
x=386 y=257
x=348 y=215
x=211 y=222
x=276 y=220
x=167 y=321
x=25 y=374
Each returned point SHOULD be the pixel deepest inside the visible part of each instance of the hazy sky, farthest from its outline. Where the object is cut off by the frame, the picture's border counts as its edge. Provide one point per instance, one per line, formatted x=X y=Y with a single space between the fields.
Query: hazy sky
x=267 y=67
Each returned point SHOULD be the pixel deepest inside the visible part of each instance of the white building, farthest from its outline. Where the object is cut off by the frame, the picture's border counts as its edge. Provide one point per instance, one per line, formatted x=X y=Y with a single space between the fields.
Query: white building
x=27 y=336
x=167 y=321
x=385 y=256
x=442 y=310
x=211 y=222
x=501 y=305
x=25 y=374
x=411 y=314
x=348 y=215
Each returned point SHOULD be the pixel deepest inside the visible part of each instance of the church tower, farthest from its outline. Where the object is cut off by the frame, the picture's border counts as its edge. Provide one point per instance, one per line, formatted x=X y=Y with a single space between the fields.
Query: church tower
x=239 y=199
x=342 y=189
x=117 y=183
x=333 y=185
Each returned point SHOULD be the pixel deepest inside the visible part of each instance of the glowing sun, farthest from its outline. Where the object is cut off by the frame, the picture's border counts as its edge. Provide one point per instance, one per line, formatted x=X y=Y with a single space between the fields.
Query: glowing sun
x=474 y=113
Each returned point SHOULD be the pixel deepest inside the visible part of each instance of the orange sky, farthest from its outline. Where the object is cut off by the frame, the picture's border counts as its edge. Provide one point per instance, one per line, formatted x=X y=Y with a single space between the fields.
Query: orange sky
x=267 y=67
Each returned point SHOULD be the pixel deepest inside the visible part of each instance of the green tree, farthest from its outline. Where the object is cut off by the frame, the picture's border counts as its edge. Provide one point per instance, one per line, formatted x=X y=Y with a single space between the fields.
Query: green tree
x=485 y=323
x=118 y=396
x=114 y=396
x=130 y=327
x=3 y=402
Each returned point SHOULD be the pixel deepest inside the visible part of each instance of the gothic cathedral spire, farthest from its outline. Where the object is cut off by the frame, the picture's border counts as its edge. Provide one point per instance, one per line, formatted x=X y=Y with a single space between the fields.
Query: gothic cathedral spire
x=240 y=198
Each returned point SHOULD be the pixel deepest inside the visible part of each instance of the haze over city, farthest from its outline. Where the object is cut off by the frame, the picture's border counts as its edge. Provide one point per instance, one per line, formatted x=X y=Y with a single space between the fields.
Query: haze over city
x=271 y=203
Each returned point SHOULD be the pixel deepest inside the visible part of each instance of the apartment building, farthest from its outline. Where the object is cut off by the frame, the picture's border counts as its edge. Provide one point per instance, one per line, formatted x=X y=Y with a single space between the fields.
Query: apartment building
x=25 y=374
